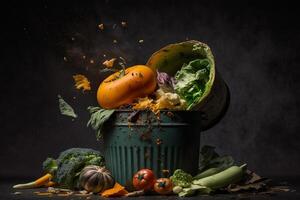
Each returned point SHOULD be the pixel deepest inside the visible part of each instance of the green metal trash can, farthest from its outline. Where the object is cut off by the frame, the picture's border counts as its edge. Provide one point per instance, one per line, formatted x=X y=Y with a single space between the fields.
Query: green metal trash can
x=173 y=141
x=168 y=143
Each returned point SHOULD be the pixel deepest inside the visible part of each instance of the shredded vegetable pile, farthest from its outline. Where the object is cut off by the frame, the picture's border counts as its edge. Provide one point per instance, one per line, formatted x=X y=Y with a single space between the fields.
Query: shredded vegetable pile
x=179 y=92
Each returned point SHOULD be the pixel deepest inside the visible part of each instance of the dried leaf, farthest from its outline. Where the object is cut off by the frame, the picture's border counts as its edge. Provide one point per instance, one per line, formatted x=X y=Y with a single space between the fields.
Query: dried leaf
x=252 y=177
x=279 y=189
x=109 y=63
x=253 y=186
x=65 y=108
x=252 y=181
x=81 y=82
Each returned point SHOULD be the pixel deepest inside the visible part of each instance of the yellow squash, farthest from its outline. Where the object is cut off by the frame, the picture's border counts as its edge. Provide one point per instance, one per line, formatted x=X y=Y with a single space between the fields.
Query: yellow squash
x=116 y=90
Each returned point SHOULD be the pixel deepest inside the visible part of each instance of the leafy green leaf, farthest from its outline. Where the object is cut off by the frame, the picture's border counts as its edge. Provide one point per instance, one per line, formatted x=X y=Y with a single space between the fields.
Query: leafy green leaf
x=210 y=159
x=191 y=80
x=98 y=117
x=65 y=108
x=251 y=182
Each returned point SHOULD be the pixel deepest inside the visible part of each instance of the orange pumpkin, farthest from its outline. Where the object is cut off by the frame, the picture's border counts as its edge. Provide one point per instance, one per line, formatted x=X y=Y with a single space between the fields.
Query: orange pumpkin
x=116 y=90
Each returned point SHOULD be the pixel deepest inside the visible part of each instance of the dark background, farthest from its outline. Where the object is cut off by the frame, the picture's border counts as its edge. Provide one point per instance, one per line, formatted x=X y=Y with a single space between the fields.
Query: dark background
x=256 y=48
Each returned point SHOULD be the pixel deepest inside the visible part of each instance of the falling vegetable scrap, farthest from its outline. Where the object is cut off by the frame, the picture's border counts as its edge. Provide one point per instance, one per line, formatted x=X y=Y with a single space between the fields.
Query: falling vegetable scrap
x=109 y=63
x=81 y=82
x=65 y=108
x=101 y=27
x=124 y=24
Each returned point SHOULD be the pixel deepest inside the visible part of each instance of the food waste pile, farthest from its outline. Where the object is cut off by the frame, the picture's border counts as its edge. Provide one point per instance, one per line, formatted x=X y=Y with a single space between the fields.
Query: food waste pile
x=81 y=172
x=177 y=78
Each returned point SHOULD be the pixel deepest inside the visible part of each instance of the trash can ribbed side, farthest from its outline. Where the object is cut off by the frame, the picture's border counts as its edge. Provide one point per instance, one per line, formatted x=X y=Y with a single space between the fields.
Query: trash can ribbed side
x=166 y=144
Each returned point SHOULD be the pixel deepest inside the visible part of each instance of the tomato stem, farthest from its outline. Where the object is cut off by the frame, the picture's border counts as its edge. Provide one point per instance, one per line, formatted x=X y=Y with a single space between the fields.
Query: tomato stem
x=141 y=177
x=162 y=184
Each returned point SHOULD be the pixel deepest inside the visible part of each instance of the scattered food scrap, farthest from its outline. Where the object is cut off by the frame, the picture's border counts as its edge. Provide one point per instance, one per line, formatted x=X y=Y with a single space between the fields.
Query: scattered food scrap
x=159 y=141
x=124 y=24
x=170 y=114
x=17 y=193
x=101 y=27
x=81 y=82
x=141 y=41
x=109 y=63
x=144 y=104
x=146 y=136
x=43 y=193
x=65 y=108
x=117 y=191
x=136 y=193
x=133 y=117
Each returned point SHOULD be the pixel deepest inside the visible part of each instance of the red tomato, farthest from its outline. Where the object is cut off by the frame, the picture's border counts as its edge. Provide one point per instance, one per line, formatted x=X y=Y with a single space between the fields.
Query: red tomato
x=144 y=179
x=163 y=186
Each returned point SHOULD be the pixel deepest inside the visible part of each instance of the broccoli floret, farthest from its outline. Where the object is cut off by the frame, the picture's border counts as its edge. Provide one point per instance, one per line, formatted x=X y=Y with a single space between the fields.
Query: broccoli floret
x=50 y=166
x=67 y=167
x=181 y=178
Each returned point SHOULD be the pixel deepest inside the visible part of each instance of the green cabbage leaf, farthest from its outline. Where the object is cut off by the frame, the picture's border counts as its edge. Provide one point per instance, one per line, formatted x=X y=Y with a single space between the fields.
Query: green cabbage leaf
x=191 y=79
